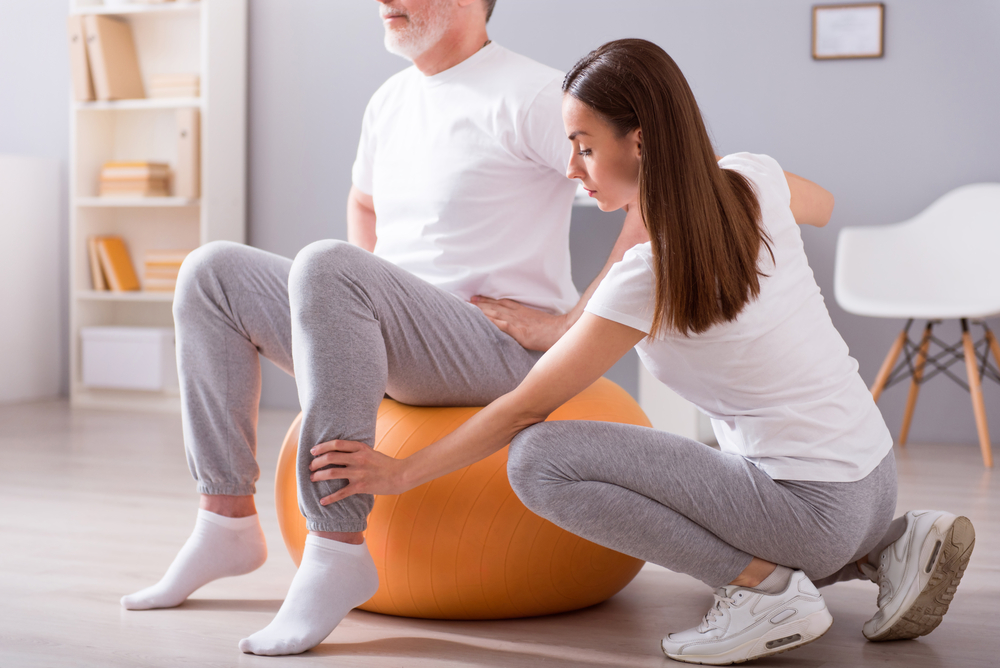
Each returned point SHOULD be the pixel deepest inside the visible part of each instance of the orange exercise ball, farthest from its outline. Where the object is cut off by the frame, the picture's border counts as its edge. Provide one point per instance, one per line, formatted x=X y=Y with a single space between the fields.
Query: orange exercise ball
x=463 y=546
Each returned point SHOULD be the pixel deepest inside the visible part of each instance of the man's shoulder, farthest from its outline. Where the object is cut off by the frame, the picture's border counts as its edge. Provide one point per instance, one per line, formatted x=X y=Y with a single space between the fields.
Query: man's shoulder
x=527 y=72
x=522 y=62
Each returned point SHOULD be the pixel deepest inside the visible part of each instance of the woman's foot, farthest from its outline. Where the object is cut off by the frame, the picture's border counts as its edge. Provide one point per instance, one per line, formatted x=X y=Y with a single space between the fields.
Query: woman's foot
x=218 y=547
x=747 y=624
x=918 y=574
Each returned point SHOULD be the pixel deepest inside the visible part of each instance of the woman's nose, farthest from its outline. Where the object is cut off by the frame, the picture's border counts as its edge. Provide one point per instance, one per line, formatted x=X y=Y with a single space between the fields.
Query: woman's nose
x=573 y=170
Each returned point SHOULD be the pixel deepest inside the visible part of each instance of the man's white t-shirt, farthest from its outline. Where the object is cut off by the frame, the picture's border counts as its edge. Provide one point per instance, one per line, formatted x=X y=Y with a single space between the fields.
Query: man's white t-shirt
x=778 y=382
x=467 y=169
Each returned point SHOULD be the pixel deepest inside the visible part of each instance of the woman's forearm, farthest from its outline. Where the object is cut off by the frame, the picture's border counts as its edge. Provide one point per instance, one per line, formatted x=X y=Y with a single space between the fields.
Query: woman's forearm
x=479 y=437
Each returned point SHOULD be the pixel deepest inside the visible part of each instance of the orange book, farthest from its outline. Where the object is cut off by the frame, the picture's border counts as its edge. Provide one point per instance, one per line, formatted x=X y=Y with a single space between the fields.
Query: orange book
x=117 y=264
x=114 y=64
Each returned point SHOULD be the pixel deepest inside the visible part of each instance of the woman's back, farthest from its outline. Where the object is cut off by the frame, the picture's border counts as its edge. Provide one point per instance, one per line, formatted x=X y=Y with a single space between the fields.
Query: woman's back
x=778 y=381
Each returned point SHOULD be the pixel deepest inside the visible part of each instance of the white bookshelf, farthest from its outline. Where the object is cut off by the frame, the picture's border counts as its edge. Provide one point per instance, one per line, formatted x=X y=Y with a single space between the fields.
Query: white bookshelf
x=208 y=37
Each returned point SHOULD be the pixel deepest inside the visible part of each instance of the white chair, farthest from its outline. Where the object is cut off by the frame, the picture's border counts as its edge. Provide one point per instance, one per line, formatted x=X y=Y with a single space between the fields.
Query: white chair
x=942 y=264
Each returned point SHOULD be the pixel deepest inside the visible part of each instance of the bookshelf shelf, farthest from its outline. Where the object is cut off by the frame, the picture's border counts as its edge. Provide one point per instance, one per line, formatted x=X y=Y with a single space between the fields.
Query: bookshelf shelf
x=144 y=103
x=207 y=38
x=135 y=202
x=134 y=296
x=126 y=9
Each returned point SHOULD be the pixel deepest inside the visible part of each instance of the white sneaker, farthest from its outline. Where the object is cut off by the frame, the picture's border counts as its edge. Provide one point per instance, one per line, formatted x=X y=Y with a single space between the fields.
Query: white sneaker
x=745 y=624
x=918 y=574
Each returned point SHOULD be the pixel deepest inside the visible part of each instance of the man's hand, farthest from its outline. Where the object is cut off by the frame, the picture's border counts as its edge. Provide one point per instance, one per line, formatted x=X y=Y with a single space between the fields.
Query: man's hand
x=532 y=328
x=365 y=470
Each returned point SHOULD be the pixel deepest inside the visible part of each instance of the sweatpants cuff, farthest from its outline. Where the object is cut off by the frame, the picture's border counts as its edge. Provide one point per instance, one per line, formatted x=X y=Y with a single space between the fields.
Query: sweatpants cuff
x=228 y=490
x=341 y=526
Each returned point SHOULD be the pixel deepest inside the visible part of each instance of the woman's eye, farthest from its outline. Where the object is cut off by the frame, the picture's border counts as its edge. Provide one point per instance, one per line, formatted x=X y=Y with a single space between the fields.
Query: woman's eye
x=584 y=152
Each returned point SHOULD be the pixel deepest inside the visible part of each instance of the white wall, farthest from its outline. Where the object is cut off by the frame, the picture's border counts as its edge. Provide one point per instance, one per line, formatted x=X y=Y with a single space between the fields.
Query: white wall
x=34 y=121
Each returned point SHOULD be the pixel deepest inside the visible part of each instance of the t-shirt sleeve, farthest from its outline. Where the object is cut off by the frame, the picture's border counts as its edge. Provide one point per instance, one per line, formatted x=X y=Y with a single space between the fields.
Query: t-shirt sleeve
x=364 y=163
x=765 y=173
x=543 y=133
x=627 y=293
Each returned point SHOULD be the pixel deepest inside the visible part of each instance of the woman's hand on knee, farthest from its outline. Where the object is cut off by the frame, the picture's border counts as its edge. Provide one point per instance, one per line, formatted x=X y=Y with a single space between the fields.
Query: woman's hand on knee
x=365 y=470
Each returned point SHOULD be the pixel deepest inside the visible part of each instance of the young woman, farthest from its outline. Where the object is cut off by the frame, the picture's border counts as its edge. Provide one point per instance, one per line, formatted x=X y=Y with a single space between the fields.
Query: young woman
x=723 y=307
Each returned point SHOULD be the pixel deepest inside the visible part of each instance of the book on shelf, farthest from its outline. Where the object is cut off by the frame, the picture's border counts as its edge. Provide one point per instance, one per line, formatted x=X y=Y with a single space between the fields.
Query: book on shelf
x=187 y=182
x=114 y=65
x=174 y=85
x=135 y=179
x=161 y=269
x=116 y=264
x=166 y=258
x=97 y=280
x=83 y=86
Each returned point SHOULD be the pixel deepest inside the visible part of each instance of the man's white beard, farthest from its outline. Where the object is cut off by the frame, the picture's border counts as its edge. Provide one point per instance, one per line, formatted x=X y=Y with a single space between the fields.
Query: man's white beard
x=420 y=34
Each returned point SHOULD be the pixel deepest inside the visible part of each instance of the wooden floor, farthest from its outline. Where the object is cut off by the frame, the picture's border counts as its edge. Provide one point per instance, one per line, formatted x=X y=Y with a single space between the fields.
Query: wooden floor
x=95 y=504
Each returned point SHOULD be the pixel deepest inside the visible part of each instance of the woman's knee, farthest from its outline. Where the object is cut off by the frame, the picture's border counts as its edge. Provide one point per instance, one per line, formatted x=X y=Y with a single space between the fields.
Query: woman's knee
x=531 y=462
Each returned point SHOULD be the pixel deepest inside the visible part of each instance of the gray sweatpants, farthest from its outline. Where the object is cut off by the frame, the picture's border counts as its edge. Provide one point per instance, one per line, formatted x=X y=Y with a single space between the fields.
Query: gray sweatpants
x=693 y=509
x=350 y=327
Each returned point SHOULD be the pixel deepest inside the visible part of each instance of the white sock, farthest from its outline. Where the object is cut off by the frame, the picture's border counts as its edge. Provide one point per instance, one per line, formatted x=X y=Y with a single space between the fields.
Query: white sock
x=218 y=547
x=332 y=579
x=776 y=582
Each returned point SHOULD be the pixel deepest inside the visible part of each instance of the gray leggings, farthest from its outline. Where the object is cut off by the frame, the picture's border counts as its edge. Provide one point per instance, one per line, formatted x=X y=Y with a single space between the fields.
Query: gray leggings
x=695 y=510
x=350 y=327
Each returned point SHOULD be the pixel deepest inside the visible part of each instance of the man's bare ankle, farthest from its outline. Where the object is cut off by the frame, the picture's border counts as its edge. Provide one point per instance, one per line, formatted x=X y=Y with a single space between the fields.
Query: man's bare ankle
x=228 y=505
x=351 y=537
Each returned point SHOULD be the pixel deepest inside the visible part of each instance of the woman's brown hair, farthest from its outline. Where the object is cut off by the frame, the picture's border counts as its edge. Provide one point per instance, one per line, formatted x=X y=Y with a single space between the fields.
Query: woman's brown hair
x=703 y=221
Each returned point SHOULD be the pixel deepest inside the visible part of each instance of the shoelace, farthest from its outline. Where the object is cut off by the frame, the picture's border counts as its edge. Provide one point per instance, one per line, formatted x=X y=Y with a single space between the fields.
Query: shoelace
x=877 y=575
x=715 y=612
x=883 y=584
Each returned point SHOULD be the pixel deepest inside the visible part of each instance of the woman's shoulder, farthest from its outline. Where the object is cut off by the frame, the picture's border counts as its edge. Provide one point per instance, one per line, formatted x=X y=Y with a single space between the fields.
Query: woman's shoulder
x=627 y=293
x=762 y=170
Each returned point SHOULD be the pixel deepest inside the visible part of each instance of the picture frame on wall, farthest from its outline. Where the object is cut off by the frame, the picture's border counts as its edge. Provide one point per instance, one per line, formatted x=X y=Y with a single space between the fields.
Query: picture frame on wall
x=848 y=31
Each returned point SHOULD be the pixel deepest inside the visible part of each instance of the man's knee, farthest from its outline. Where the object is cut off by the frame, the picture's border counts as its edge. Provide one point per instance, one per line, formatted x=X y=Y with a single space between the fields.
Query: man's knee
x=326 y=258
x=203 y=266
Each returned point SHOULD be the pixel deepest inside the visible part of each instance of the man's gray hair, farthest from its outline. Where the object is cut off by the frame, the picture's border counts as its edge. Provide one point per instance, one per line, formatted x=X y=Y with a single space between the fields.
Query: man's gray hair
x=489 y=8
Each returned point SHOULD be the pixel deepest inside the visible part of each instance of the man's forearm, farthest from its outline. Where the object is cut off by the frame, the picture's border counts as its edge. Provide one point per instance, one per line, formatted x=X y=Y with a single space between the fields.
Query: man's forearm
x=360 y=220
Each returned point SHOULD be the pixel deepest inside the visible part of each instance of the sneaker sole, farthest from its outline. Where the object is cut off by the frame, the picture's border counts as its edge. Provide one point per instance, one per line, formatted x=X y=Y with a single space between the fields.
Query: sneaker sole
x=808 y=629
x=930 y=606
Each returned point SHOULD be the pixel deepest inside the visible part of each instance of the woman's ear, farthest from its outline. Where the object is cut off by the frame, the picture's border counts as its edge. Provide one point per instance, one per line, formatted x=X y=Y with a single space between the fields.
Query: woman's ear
x=637 y=138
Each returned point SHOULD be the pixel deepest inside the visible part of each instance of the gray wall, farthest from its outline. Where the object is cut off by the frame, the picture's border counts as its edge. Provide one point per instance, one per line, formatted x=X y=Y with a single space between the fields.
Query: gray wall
x=885 y=136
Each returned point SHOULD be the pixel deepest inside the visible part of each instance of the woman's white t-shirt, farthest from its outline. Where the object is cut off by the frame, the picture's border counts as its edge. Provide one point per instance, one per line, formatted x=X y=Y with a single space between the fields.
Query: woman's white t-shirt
x=778 y=382
x=467 y=169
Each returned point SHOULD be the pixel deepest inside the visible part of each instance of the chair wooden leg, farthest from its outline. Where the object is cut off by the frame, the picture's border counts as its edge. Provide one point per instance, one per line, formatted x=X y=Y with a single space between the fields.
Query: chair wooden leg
x=888 y=364
x=918 y=374
x=994 y=346
x=976 y=389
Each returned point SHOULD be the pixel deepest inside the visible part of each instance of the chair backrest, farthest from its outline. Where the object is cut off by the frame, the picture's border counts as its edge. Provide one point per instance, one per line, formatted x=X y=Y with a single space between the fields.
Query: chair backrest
x=943 y=262
x=972 y=209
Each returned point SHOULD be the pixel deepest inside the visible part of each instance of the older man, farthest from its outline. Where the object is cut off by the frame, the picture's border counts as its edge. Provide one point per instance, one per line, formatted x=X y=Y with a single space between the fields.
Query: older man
x=459 y=193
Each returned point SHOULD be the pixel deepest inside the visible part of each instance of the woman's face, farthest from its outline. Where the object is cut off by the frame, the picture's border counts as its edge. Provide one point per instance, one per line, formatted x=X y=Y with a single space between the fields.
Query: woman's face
x=607 y=165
